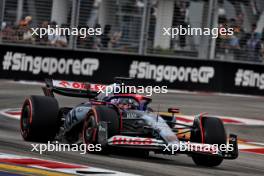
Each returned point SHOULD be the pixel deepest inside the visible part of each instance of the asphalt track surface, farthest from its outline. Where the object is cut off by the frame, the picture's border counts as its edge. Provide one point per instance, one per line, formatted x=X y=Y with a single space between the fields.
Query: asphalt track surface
x=12 y=96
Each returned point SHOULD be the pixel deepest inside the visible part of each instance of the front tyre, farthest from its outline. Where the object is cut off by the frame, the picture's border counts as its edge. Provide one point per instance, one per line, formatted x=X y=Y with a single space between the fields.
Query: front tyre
x=39 y=119
x=213 y=133
x=100 y=114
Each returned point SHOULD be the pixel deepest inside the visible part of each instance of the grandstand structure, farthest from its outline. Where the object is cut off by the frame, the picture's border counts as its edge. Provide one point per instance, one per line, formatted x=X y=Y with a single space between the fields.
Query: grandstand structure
x=137 y=26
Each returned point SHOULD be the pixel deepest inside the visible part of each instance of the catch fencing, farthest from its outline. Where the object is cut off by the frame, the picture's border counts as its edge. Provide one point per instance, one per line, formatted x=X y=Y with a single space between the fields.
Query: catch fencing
x=137 y=26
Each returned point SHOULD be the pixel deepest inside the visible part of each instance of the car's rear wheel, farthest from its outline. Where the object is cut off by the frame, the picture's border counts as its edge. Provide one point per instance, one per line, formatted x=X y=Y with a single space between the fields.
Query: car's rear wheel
x=213 y=133
x=95 y=116
x=39 y=119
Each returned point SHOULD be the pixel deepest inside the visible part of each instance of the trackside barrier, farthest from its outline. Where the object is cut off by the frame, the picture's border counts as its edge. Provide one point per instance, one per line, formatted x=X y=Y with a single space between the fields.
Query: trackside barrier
x=26 y=63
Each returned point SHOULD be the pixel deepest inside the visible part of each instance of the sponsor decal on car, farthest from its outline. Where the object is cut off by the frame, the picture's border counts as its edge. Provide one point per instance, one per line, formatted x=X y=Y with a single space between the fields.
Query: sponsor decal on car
x=130 y=115
x=125 y=140
x=77 y=85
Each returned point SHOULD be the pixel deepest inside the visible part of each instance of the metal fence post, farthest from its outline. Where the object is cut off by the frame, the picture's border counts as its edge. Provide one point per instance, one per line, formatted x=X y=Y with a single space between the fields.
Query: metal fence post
x=205 y=40
x=19 y=14
x=214 y=24
x=74 y=22
x=144 y=28
x=2 y=5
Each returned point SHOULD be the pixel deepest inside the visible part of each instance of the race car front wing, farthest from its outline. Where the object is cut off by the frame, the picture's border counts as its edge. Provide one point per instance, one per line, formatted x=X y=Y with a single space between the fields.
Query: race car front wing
x=183 y=147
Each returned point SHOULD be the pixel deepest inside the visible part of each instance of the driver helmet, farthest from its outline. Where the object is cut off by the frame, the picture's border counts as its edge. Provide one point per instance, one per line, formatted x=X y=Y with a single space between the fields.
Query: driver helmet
x=124 y=103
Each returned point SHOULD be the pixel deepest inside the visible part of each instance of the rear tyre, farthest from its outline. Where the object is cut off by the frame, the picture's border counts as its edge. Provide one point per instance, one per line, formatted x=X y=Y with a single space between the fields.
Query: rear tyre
x=39 y=119
x=214 y=133
x=90 y=128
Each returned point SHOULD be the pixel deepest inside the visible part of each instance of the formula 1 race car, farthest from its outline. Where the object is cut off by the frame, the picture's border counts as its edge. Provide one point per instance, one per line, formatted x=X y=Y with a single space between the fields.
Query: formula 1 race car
x=122 y=121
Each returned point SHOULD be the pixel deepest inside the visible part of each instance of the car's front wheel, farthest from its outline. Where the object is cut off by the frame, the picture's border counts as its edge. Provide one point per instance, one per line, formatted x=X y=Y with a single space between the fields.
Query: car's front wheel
x=39 y=119
x=213 y=133
x=97 y=115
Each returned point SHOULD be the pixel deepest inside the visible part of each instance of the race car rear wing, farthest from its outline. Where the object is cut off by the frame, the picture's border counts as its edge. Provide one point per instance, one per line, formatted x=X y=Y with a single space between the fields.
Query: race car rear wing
x=71 y=88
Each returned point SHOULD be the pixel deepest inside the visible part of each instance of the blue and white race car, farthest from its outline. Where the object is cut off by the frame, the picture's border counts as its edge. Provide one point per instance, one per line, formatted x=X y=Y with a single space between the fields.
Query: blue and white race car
x=122 y=121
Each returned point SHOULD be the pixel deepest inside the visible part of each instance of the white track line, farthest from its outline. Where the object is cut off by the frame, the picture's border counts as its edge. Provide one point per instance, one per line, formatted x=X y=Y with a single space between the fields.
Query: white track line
x=68 y=168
